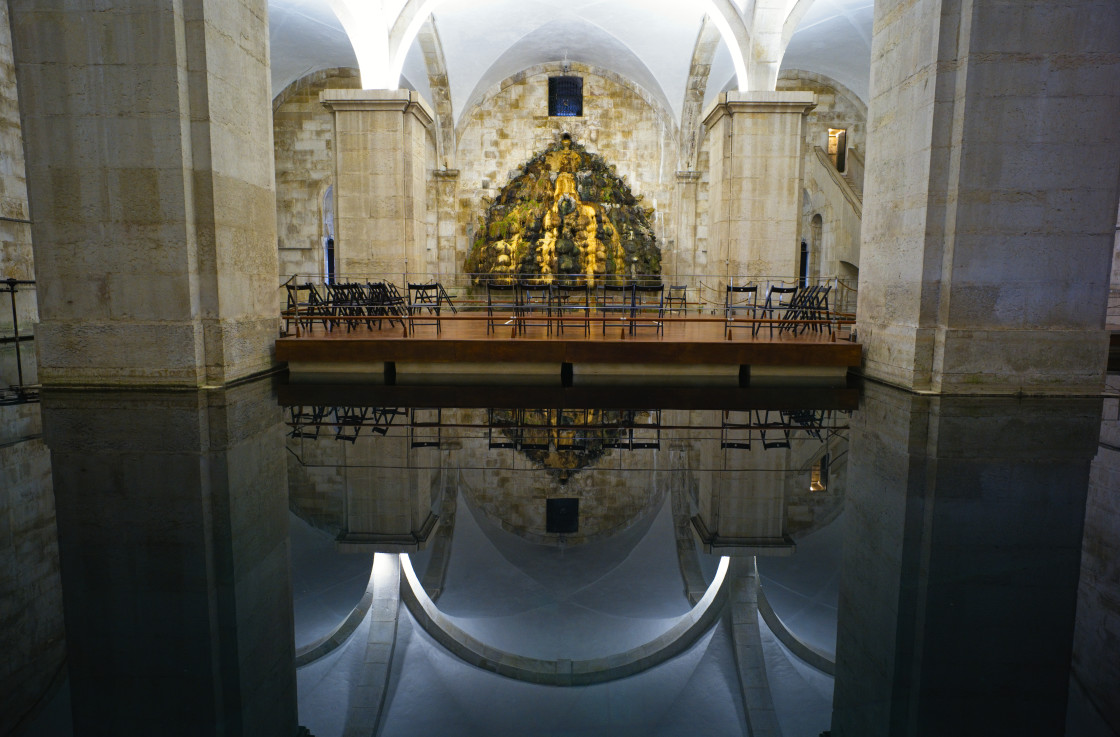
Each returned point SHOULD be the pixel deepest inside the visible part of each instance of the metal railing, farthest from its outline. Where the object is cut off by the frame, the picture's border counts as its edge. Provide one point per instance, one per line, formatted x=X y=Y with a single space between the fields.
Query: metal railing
x=17 y=367
x=700 y=297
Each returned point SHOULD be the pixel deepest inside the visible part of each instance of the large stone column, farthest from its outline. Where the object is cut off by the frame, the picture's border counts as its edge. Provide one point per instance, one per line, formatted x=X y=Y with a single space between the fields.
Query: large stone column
x=685 y=258
x=449 y=260
x=755 y=196
x=148 y=134
x=173 y=544
x=990 y=193
x=962 y=543
x=380 y=198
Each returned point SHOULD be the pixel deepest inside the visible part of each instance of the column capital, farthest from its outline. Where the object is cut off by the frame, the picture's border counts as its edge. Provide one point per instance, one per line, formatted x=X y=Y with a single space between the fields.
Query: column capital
x=732 y=103
x=404 y=101
x=688 y=177
x=449 y=175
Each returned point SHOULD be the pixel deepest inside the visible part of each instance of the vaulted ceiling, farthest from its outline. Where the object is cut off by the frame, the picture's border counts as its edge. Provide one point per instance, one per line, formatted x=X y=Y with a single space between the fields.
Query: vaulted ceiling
x=650 y=42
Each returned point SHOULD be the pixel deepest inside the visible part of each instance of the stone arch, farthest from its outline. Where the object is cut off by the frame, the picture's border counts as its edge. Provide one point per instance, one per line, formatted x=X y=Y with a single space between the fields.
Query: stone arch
x=723 y=13
x=434 y=60
x=663 y=112
x=699 y=71
x=304 y=163
x=816 y=245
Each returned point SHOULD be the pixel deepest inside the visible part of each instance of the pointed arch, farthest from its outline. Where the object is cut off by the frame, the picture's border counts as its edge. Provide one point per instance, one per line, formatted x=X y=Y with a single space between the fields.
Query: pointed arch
x=436 y=65
x=699 y=71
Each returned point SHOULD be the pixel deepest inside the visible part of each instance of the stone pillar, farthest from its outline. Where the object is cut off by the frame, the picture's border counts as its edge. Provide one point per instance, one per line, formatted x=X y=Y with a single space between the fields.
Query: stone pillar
x=32 y=635
x=755 y=202
x=172 y=517
x=381 y=139
x=990 y=194
x=449 y=260
x=391 y=487
x=148 y=134
x=684 y=260
x=962 y=546
x=1096 y=637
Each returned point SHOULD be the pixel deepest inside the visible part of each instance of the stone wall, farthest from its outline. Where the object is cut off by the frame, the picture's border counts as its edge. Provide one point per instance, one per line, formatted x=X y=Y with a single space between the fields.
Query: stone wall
x=511 y=124
x=32 y=635
x=15 y=227
x=1096 y=636
x=304 y=168
x=835 y=250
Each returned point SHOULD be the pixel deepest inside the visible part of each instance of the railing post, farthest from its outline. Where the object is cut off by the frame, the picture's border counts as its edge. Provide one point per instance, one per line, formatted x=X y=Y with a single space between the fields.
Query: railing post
x=15 y=327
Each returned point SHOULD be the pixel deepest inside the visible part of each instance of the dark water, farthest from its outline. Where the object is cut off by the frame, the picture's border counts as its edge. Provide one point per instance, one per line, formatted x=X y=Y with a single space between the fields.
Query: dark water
x=963 y=529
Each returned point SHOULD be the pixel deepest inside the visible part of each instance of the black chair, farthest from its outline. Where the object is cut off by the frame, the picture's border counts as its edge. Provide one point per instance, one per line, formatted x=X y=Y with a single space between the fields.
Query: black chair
x=503 y=305
x=615 y=302
x=425 y=430
x=781 y=428
x=536 y=306
x=421 y=298
x=741 y=302
x=502 y=428
x=737 y=430
x=306 y=421
x=648 y=308
x=305 y=306
x=570 y=298
x=778 y=301
x=381 y=304
x=347 y=301
x=817 y=309
x=676 y=301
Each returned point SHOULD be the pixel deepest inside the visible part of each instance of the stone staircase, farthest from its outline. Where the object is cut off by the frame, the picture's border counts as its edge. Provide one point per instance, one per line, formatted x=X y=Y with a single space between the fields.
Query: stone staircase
x=856 y=185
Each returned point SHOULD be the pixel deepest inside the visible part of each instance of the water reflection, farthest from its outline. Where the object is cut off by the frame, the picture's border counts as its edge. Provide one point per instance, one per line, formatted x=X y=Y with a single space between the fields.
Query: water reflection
x=955 y=527
x=173 y=546
x=964 y=529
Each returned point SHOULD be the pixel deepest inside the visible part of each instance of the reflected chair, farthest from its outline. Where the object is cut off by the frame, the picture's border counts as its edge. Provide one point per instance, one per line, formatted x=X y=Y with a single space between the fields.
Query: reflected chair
x=425 y=429
x=779 y=429
x=736 y=430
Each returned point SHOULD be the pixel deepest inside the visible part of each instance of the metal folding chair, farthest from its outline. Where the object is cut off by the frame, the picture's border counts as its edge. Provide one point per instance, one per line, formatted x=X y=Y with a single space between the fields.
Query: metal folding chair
x=421 y=298
x=536 y=306
x=739 y=302
x=503 y=305
x=615 y=302
x=778 y=300
x=572 y=298
x=648 y=308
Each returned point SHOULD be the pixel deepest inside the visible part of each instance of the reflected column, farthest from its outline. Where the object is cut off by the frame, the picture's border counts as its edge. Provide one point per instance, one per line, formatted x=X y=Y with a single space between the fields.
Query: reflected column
x=960 y=564
x=173 y=543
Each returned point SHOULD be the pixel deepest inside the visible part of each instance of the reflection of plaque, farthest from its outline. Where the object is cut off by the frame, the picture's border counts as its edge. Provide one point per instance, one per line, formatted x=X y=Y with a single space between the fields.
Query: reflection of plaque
x=562 y=516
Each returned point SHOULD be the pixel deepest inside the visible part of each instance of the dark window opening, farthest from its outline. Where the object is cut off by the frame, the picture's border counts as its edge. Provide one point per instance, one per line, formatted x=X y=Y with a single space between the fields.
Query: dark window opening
x=565 y=96
x=562 y=516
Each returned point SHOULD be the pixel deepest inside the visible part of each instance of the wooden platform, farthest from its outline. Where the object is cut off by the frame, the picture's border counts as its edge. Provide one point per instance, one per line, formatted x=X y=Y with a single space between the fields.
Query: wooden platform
x=695 y=348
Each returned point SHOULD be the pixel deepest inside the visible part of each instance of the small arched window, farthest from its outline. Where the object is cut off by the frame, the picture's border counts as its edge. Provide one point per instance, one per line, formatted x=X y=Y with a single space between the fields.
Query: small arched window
x=565 y=97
